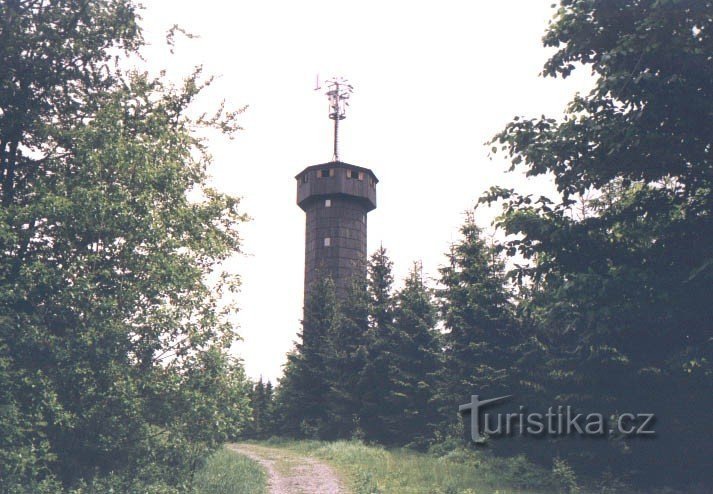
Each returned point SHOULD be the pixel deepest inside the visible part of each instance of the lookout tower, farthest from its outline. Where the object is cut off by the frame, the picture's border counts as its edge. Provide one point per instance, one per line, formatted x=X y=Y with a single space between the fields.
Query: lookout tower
x=336 y=196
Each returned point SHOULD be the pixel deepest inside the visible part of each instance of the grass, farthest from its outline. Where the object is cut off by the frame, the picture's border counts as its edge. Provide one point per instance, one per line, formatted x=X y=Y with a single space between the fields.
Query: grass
x=376 y=470
x=227 y=472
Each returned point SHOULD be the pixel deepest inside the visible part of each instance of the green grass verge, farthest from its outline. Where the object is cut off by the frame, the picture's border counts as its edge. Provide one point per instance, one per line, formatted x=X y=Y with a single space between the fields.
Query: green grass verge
x=376 y=470
x=227 y=472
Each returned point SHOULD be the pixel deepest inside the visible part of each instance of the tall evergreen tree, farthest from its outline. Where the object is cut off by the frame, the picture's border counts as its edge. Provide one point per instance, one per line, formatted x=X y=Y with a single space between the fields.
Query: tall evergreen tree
x=257 y=403
x=269 y=423
x=409 y=412
x=477 y=315
x=346 y=360
x=304 y=392
x=379 y=344
x=262 y=405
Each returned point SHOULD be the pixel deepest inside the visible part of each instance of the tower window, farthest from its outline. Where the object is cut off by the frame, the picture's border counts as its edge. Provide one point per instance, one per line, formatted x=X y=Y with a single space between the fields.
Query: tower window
x=327 y=203
x=326 y=172
x=361 y=175
x=304 y=178
x=327 y=241
x=352 y=174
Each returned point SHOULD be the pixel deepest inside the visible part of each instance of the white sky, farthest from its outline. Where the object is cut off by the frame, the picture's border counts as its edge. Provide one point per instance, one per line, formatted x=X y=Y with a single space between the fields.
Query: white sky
x=433 y=82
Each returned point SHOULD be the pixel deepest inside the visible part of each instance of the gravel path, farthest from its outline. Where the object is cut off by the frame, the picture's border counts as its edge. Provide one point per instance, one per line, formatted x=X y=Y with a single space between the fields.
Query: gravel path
x=290 y=473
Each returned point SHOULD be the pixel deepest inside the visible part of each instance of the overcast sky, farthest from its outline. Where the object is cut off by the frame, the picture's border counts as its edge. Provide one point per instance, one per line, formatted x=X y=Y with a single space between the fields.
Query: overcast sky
x=433 y=82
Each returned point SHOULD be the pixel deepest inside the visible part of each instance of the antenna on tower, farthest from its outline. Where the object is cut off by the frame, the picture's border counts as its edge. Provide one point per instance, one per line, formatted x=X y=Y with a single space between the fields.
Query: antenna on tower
x=338 y=92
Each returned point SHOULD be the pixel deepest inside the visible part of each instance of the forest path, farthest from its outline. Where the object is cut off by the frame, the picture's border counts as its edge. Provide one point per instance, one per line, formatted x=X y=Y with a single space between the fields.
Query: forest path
x=290 y=473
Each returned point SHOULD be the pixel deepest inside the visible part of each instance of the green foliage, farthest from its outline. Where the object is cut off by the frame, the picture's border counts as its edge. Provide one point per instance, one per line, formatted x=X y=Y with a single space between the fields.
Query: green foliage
x=407 y=408
x=481 y=341
x=262 y=403
x=379 y=342
x=304 y=388
x=616 y=287
x=113 y=349
x=366 y=365
x=347 y=357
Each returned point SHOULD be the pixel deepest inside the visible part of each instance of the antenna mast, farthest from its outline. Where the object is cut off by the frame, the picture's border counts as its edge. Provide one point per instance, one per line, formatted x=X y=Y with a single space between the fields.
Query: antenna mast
x=338 y=92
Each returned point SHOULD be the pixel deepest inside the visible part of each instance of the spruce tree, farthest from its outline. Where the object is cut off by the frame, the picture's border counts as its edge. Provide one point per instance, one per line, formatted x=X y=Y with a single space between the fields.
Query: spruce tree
x=379 y=344
x=346 y=360
x=479 y=333
x=409 y=412
x=304 y=392
x=269 y=426
x=257 y=403
x=261 y=402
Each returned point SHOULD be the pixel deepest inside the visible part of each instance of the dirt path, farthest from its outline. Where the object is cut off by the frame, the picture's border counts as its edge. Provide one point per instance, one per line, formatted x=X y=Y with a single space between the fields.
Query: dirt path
x=290 y=473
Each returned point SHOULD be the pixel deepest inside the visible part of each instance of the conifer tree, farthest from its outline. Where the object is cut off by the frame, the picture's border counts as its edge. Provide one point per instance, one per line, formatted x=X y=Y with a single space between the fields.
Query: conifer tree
x=303 y=400
x=261 y=402
x=477 y=316
x=257 y=403
x=346 y=360
x=378 y=345
x=269 y=426
x=416 y=360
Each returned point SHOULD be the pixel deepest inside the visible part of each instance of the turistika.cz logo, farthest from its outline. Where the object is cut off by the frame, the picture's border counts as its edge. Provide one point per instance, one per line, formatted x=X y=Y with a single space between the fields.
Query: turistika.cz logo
x=561 y=420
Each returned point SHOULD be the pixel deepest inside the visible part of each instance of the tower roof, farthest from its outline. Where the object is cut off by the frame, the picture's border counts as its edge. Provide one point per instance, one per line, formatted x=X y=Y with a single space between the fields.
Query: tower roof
x=338 y=164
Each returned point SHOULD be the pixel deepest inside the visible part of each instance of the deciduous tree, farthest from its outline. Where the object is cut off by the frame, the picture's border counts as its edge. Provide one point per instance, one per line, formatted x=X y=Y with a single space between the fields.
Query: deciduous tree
x=623 y=286
x=112 y=343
